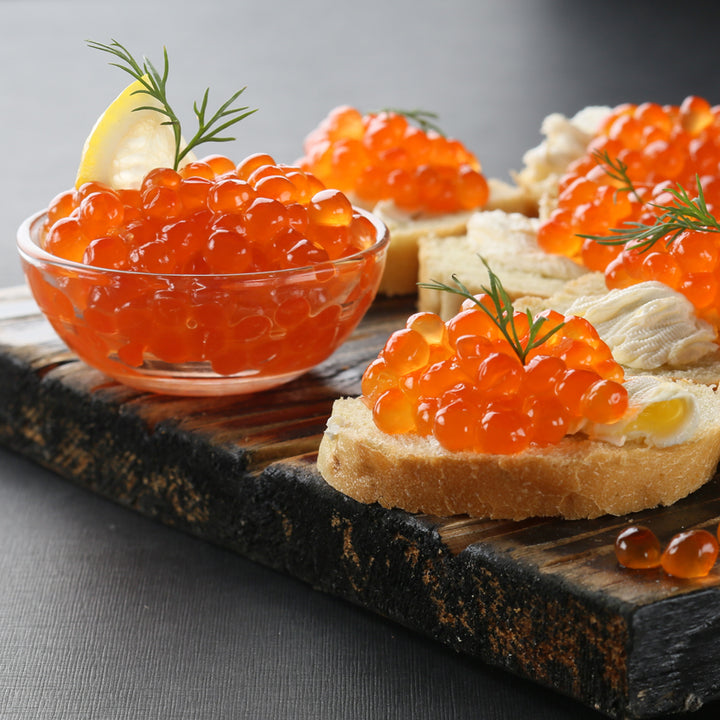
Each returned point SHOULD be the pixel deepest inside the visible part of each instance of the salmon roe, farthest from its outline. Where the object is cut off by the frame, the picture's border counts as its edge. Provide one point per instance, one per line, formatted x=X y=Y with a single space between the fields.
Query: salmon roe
x=211 y=217
x=382 y=156
x=156 y=280
x=661 y=146
x=462 y=382
x=638 y=548
x=689 y=554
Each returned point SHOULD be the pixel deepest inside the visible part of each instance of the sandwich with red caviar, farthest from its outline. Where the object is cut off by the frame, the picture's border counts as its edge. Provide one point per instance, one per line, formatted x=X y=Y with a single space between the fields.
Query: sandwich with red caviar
x=601 y=179
x=501 y=414
x=400 y=165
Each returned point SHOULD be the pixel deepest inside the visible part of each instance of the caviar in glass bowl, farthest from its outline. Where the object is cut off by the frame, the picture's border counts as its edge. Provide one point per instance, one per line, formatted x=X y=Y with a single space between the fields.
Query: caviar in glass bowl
x=210 y=322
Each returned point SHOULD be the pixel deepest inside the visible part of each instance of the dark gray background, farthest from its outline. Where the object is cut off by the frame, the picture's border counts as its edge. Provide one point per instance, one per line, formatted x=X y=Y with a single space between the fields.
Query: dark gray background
x=105 y=615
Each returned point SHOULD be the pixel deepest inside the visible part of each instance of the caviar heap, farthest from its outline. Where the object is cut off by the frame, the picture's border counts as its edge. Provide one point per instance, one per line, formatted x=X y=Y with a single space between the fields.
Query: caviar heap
x=211 y=217
x=382 y=156
x=659 y=148
x=184 y=236
x=474 y=389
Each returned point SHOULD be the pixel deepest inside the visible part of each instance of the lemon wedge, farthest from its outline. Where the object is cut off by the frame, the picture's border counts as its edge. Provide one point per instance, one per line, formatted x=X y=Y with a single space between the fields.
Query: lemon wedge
x=125 y=143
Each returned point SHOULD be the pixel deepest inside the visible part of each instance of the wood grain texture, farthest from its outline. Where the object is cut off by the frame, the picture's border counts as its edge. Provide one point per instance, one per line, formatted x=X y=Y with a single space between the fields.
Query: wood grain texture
x=543 y=598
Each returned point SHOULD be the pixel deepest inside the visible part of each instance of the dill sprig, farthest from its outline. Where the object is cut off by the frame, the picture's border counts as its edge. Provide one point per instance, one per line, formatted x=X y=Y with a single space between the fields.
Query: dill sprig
x=502 y=313
x=617 y=170
x=424 y=119
x=154 y=84
x=684 y=213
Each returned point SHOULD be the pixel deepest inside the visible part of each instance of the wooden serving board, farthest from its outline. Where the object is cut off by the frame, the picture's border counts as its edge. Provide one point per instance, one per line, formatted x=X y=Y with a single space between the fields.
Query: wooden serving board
x=544 y=598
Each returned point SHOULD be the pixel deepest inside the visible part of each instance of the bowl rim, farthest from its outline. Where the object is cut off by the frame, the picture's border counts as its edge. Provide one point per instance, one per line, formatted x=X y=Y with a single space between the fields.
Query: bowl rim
x=31 y=251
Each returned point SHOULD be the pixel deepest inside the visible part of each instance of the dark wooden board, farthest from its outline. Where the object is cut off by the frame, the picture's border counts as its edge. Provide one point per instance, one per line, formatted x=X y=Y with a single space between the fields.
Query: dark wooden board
x=544 y=598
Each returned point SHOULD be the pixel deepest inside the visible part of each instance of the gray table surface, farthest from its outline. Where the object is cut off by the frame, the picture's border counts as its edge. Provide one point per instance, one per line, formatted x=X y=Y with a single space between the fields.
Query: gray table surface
x=104 y=614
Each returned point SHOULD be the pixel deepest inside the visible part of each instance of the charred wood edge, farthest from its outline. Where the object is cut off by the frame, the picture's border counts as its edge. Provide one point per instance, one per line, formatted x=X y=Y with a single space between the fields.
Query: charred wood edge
x=240 y=473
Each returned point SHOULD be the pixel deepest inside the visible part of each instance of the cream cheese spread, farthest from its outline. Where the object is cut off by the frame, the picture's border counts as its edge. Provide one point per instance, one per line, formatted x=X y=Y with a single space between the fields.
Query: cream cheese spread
x=394 y=217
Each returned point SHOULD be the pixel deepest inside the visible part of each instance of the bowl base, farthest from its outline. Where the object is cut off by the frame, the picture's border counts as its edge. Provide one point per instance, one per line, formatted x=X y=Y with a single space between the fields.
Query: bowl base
x=205 y=386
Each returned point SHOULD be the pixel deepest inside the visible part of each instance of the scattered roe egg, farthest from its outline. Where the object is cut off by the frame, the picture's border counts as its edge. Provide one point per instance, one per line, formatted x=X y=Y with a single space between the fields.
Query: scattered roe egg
x=661 y=146
x=464 y=383
x=213 y=219
x=638 y=548
x=382 y=156
x=690 y=554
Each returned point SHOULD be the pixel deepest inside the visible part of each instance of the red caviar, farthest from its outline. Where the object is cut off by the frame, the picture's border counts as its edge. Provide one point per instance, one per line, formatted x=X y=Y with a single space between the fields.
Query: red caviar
x=690 y=554
x=662 y=146
x=463 y=383
x=638 y=548
x=212 y=223
x=381 y=156
x=183 y=235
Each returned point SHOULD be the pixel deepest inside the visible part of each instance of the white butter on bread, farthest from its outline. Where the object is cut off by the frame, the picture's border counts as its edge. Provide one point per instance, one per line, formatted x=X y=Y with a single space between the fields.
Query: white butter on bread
x=661 y=413
x=648 y=325
x=565 y=140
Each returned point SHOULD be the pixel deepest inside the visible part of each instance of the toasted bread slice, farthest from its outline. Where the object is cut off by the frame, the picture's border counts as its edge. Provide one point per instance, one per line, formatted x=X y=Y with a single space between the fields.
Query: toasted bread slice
x=408 y=231
x=508 y=242
x=577 y=478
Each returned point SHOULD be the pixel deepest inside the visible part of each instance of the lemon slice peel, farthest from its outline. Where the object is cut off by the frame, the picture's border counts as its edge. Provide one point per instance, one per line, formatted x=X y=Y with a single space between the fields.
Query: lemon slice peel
x=135 y=135
x=127 y=141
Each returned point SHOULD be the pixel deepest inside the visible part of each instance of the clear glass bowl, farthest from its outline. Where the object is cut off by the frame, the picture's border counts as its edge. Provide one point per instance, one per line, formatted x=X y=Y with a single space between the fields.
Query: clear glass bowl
x=202 y=334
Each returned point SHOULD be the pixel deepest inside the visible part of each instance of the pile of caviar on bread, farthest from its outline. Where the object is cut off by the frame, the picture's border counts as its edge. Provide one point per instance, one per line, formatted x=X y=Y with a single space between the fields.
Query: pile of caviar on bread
x=210 y=217
x=629 y=177
x=482 y=382
x=382 y=156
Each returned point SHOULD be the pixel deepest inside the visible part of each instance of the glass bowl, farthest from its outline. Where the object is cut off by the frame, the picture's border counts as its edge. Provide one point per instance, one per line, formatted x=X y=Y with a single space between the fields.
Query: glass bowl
x=202 y=334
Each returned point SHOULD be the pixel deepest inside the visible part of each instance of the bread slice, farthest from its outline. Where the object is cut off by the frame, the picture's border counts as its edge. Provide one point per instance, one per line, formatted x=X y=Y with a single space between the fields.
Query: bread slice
x=577 y=478
x=408 y=231
x=508 y=242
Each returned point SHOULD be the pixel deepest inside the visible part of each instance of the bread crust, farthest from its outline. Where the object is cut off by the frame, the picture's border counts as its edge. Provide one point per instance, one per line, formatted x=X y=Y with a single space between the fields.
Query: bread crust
x=578 y=478
x=401 y=268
